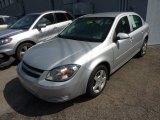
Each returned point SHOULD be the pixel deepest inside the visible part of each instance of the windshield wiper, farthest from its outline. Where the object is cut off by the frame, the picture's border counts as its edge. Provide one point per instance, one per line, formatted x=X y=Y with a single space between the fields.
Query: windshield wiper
x=69 y=37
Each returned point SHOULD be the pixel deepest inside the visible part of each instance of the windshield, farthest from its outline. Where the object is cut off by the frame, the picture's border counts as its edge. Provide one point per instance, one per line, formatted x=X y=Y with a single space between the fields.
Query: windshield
x=25 y=22
x=91 y=29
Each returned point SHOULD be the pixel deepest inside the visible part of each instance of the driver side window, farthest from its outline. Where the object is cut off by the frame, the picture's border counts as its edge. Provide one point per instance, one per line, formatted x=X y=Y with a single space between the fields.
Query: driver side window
x=123 y=26
x=47 y=19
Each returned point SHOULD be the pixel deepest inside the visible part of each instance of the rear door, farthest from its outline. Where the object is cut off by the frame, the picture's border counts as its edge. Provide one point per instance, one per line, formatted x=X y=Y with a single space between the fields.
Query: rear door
x=137 y=31
x=122 y=48
x=61 y=21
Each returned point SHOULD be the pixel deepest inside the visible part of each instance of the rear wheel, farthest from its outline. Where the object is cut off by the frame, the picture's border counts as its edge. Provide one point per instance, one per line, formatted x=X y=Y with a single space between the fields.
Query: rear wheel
x=22 y=49
x=97 y=81
x=143 y=50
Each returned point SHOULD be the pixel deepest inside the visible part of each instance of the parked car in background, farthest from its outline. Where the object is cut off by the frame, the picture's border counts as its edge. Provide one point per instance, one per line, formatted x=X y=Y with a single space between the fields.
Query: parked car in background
x=31 y=29
x=6 y=21
x=81 y=58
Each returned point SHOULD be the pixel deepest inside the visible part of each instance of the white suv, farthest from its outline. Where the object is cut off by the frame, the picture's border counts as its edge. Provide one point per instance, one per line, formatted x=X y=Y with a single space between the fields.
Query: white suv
x=31 y=29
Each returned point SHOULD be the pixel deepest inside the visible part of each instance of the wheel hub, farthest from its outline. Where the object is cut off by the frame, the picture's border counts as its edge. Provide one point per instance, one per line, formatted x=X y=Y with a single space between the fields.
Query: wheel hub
x=100 y=80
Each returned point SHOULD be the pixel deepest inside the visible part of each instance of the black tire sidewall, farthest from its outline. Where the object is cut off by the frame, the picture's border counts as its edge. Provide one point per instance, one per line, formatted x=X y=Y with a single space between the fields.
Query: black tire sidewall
x=141 y=52
x=20 y=48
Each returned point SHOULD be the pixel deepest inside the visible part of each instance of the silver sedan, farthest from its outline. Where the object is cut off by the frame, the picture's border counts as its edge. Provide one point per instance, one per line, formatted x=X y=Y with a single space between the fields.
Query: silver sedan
x=83 y=56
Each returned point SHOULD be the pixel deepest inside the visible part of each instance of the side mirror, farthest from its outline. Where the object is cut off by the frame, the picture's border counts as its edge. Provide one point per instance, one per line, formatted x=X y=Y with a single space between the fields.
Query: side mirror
x=122 y=36
x=40 y=26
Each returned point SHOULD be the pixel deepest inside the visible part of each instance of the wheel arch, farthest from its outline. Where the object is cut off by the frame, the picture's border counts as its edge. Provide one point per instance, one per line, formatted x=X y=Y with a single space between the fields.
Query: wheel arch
x=96 y=64
x=26 y=41
x=146 y=37
x=20 y=43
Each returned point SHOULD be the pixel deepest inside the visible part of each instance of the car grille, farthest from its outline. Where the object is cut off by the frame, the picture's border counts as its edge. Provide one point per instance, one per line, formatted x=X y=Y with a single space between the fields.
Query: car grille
x=31 y=71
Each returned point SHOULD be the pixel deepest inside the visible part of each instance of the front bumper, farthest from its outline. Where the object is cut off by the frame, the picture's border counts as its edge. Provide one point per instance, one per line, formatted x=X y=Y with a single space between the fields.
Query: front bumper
x=7 y=49
x=52 y=91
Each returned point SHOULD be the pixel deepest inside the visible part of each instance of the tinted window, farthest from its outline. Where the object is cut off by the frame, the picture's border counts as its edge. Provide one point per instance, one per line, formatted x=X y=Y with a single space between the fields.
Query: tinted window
x=123 y=26
x=135 y=21
x=60 y=17
x=1 y=21
x=25 y=22
x=47 y=19
x=91 y=29
x=69 y=16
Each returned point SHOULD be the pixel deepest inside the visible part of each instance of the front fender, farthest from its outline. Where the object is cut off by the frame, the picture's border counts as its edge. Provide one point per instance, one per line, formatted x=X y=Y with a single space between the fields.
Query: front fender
x=22 y=41
x=105 y=56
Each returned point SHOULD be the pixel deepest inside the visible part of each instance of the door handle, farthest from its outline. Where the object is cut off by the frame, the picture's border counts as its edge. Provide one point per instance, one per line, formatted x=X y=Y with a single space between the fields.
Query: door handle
x=131 y=38
x=142 y=32
x=56 y=28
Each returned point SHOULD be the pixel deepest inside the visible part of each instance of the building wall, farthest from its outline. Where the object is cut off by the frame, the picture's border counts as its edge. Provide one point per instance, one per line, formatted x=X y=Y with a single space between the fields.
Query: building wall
x=139 y=6
x=13 y=10
x=27 y=6
x=37 y=5
x=148 y=9
x=153 y=18
x=104 y=5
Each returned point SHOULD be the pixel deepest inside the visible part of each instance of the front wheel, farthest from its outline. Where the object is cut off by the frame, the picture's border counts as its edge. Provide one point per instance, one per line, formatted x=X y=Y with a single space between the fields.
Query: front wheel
x=22 y=49
x=97 y=81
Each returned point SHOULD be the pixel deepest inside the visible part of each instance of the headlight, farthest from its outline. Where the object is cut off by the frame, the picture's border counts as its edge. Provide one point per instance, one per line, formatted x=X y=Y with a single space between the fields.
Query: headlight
x=62 y=73
x=5 y=41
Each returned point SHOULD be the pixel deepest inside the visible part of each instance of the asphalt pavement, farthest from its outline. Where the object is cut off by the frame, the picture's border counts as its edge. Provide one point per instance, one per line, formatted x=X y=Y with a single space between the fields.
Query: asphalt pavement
x=132 y=93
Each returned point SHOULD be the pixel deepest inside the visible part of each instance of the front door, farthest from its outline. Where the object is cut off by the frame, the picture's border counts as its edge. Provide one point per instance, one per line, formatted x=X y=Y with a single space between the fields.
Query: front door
x=122 y=48
x=45 y=33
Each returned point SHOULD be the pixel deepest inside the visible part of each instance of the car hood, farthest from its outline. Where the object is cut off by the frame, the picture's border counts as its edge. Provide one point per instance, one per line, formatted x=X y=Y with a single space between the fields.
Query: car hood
x=57 y=52
x=9 y=32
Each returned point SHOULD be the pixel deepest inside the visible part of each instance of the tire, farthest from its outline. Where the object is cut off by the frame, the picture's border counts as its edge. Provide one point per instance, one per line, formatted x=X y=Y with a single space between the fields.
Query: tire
x=96 y=84
x=22 y=48
x=143 y=50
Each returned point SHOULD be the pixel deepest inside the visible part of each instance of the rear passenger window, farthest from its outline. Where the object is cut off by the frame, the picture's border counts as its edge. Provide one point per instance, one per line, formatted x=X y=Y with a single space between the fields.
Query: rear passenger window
x=135 y=21
x=60 y=17
x=123 y=26
x=69 y=16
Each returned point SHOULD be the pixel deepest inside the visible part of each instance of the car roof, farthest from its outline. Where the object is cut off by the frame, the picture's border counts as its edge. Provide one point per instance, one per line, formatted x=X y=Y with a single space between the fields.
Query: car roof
x=46 y=12
x=108 y=14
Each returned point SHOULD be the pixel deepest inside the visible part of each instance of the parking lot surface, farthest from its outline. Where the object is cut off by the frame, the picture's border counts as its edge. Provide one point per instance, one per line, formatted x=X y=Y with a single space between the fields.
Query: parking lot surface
x=132 y=93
